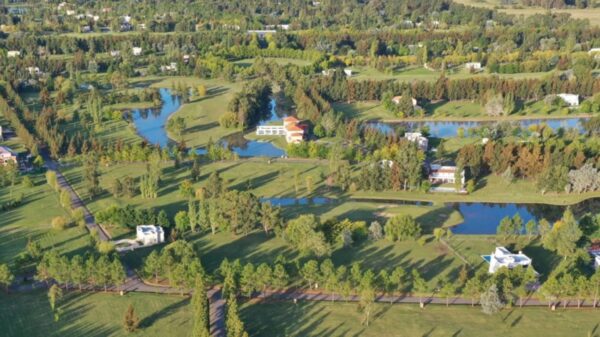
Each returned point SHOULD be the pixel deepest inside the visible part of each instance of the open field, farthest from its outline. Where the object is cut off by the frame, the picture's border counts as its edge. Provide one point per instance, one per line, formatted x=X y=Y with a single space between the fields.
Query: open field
x=93 y=315
x=489 y=189
x=278 y=60
x=343 y=319
x=422 y=74
x=451 y=111
x=591 y=14
x=32 y=220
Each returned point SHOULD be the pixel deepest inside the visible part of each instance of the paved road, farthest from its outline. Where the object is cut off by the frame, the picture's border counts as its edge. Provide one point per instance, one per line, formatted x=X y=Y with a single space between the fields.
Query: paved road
x=217 y=313
x=76 y=201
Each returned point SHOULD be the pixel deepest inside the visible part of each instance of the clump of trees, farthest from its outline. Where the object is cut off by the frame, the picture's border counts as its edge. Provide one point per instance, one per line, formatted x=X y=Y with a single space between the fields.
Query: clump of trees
x=249 y=106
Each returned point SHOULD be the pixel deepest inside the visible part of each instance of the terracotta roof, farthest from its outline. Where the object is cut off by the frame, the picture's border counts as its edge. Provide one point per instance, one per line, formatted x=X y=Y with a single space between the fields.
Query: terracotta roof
x=291 y=119
x=293 y=128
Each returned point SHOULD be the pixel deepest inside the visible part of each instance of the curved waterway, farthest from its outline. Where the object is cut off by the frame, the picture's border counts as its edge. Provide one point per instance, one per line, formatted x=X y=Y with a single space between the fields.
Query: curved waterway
x=446 y=129
x=151 y=124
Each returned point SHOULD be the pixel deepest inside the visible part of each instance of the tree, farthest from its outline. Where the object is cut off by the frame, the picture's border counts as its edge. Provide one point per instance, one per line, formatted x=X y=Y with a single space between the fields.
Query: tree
x=302 y=233
x=280 y=276
x=92 y=176
x=402 y=227
x=473 y=289
x=270 y=217
x=6 y=276
x=248 y=279
x=594 y=286
x=375 y=231
x=551 y=289
x=233 y=323
x=55 y=293
x=200 y=309
x=564 y=235
x=398 y=279
x=447 y=289
x=182 y=222
x=367 y=302
x=130 y=321
x=490 y=301
x=310 y=272
x=419 y=285
x=201 y=90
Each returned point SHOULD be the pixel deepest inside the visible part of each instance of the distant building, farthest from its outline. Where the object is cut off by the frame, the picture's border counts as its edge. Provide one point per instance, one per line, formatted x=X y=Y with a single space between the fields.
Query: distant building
x=186 y=58
x=594 y=51
x=13 y=53
x=396 y=100
x=86 y=29
x=594 y=251
x=501 y=257
x=150 y=234
x=115 y=53
x=34 y=71
x=348 y=72
x=137 y=51
x=439 y=174
x=262 y=32
x=328 y=72
x=171 y=67
x=417 y=138
x=291 y=129
x=473 y=65
x=7 y=155
x=70 y=12
x=572 y=100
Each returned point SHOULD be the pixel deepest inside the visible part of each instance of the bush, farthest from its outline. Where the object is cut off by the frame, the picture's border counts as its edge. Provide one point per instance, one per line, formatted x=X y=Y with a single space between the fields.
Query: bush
x=78 y=217
x=402 y=227
x=105 y=247
x=59 y=223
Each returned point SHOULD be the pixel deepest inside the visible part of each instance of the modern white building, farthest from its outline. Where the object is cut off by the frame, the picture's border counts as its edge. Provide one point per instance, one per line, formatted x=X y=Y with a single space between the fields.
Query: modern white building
x=115 y=53
x=572 y=100
x=348 y=72
x=13 y=53
x=501 y=257
x=150 y=234
x=417 y=137
x=137 y=51
x=291 y=129
x=594 y=251
x=439 y=174
x=171 y=67
x=34 y=71
x=473 y=65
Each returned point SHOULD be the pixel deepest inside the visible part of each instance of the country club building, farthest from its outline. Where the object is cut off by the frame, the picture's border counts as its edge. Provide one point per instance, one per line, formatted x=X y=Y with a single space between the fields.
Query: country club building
x=572 y=100
x=7 y=155
x=501 y=257
x=291 y=129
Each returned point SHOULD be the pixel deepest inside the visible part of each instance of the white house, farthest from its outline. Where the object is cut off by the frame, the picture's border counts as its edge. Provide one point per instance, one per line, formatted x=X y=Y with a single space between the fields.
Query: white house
x=417 y=137
x=262 y=32
x=473 y=65
x=594 y=251
x=34 y=71
x=13 y=53
x=501 y=257
x=572 y=100
x=445 y=174
x=70 y=12
x=126 y=18
x=171 y=67
x=115 y=53
x=7 y=155
x=137 y=51
x=396 y=100
x=150 y=234
x=348 y=72
x=291 y=129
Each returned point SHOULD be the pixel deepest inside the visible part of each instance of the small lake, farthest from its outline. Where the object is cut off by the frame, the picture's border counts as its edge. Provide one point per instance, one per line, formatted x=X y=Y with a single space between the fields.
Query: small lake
x=445 y=129
x=483 y=218
x=297 y=201
x=151 y=124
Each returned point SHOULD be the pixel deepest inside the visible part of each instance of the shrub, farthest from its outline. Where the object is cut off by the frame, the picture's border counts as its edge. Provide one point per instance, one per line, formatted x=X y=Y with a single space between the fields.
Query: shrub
x=59 y=223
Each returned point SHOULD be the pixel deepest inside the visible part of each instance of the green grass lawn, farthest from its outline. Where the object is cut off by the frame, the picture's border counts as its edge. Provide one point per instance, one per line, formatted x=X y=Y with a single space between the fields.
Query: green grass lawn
x=93 y=315
x=278 y=60
x=413 y=73
x=449 y=110
x=33 y=220
x=489 y=189
x=343 y=319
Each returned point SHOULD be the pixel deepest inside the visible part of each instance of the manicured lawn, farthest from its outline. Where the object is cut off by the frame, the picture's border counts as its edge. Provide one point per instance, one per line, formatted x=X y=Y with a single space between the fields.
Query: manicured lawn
x=100 y=314
x=33 y=220
x=278 y=60
x=490 y=189
x=343 y=319
x=364 y=110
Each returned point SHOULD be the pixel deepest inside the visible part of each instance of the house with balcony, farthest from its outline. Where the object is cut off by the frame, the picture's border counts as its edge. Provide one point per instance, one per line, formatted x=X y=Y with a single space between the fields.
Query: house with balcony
x=291 y=128
x=417 y=138
x=150 y=235
x=439 y=174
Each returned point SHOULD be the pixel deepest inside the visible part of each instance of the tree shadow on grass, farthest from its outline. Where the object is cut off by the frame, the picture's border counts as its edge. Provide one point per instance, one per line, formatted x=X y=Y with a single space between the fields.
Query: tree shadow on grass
x=165 y=312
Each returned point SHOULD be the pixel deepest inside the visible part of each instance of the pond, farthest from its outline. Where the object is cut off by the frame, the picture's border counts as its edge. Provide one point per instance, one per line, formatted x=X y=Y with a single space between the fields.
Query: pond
x=297 y=201
x=151 y=123
x=483 y=218
x=445 y=129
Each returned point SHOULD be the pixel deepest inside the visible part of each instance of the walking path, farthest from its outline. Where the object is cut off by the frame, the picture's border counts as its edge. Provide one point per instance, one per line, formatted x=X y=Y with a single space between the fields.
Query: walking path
x=217 y=313
x=76 y=201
